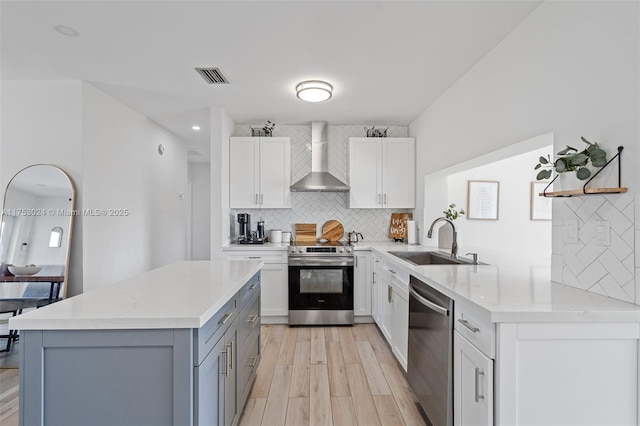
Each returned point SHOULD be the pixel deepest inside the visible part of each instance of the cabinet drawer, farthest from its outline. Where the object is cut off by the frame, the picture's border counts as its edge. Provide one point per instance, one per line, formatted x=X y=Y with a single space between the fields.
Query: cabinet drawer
x=396 y=272
x=250 y=289
x=249 y=320
x=475 y=324
x=267 y=256
x=209 y=334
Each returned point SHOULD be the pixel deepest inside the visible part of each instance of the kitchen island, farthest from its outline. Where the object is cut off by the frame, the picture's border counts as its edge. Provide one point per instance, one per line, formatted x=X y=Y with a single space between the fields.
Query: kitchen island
x=176 y=345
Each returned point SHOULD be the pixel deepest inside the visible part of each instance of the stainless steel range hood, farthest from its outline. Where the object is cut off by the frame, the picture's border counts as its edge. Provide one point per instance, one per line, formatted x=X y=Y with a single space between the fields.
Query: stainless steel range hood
x=319 y=180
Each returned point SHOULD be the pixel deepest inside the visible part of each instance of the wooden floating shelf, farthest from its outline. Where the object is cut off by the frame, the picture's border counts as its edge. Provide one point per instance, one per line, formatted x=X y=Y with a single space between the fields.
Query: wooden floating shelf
x=587 y=191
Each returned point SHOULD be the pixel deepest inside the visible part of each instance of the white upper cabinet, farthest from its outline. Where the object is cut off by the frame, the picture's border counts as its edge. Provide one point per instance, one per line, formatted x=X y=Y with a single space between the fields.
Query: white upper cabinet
x=259 y=172
x=382 y=173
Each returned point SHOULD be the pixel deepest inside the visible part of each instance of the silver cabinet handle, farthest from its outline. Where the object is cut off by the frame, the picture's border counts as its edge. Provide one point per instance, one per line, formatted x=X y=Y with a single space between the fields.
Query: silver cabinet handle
x=478 y=374
x=468 y=325
x=261 y=198
x=374 y=277
x=253 y=319
x=225 y=370
x=355 y=258
x=225 y=318
x=256 y=199
x=384 y=198
x=427 y=303
x=254 y=360
x=228 y=358
x=389 y=293
x=379 y=199
x=253 y=286
x=255 y=257
x=392 y=271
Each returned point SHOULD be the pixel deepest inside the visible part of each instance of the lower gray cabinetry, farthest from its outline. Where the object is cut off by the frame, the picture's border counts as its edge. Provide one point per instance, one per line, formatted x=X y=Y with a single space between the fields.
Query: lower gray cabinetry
x=227 y=372
x=144 y=377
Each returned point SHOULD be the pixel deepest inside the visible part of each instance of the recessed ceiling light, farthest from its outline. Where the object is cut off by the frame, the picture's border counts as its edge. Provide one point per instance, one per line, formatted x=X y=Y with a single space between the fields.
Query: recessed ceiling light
x=314 y=91
x=195 y=127
x=66 y=31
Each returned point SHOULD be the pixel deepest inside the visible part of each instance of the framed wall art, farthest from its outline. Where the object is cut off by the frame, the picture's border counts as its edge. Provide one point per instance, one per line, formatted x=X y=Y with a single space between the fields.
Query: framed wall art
x=483 y=199
x=540 y=206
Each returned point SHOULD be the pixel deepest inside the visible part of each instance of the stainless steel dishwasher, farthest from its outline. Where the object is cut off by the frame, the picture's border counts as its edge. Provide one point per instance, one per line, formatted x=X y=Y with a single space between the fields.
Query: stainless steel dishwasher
x=429 y=364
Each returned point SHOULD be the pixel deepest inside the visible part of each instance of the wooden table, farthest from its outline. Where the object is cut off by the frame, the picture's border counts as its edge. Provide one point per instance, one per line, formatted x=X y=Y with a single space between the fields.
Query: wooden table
x=55 y=280
x=16 y=304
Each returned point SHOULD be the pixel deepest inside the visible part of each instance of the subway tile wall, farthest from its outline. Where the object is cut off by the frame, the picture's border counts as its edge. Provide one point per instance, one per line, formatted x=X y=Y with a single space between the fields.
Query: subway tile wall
x=319 y=207
x=581 y=259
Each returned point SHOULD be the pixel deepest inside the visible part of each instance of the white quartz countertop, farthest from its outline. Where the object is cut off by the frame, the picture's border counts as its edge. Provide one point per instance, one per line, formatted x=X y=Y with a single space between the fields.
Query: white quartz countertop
x=181 y=295
x=511 y=287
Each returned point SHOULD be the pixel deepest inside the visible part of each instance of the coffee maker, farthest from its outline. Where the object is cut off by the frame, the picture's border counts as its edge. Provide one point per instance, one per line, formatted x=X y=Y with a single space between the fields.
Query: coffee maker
x=244 y=234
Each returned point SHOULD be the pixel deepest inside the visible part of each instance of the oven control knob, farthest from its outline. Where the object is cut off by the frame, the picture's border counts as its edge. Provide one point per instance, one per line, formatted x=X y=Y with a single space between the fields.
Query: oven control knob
x=300 y=250
x=348 y=249
x=340 y=249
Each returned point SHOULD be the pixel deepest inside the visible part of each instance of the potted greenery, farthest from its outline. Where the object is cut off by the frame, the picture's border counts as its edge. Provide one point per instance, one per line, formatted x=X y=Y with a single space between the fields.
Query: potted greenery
x=570 y=159
x=266 y=130
x=451 y=213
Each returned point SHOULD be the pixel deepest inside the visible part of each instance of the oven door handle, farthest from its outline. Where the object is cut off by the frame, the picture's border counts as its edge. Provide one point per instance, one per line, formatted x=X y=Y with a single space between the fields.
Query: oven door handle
x=332 y=261
x=428 y=304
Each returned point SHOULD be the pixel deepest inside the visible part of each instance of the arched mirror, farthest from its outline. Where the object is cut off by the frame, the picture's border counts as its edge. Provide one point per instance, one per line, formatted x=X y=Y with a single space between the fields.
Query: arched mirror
x=35 y=234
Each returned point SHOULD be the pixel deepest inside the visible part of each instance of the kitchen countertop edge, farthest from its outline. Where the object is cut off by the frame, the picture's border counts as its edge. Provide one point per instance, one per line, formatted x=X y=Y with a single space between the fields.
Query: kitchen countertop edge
x=148 y=301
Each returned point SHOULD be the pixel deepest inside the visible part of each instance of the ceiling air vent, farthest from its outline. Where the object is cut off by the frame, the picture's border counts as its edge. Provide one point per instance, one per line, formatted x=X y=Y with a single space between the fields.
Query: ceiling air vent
x=212 y=75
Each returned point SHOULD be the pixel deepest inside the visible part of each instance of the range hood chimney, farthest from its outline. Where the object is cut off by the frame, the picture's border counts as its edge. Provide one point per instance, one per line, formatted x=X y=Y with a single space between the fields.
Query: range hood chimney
x=319 y=180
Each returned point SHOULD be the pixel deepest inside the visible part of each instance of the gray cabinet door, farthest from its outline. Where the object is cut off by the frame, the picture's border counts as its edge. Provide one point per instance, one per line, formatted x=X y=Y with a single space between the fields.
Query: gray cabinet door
x=209 y=384
x=231 y=409
x=105 y=377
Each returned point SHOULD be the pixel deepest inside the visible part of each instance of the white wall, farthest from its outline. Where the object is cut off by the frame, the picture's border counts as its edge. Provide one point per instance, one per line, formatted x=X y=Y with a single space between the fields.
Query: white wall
x=570 y=68
x=222 y=127
x=123 y=170
x=514 y=225
x=200 y=179
x=42 y=123
x=169 y=202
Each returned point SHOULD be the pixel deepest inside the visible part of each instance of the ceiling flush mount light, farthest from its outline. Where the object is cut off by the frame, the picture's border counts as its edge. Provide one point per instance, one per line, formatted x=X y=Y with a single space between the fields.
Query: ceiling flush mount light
x=314 y=91
x=66 y=31
x=195 y=127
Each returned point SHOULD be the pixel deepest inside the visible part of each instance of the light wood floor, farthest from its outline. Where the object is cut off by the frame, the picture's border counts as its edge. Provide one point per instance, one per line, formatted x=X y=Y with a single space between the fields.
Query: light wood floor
x=328 y=376
x=307 y=376
x=8 y=396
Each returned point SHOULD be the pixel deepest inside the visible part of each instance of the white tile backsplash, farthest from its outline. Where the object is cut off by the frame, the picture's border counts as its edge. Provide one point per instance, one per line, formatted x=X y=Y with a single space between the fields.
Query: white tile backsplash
x=319 y=207
x=608 y=270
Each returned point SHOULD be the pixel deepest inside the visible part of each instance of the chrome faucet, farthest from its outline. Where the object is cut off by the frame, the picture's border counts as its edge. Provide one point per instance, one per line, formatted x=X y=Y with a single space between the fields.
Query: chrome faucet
x=454 y=245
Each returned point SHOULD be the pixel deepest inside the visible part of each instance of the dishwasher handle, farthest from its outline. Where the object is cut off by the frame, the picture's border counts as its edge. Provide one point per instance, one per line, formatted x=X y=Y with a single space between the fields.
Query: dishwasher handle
x=427 y=303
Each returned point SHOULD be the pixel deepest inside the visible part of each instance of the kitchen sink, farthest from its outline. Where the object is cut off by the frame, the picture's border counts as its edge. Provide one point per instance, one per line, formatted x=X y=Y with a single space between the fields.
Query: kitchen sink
x=430 y=258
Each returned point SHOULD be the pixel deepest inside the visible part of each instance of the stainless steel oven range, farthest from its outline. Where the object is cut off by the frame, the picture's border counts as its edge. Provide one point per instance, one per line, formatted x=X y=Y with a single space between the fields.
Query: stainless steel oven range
x=321 y=285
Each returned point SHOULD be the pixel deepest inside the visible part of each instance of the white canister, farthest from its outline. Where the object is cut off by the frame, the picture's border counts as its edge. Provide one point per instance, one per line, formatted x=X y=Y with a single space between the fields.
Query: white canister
x=275 y=236
x=411 y=232
x=286 y=237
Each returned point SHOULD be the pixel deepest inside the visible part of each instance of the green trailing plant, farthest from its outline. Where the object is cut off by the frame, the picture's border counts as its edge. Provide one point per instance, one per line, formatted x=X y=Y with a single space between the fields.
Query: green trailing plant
x=451 y=213
x=570 y=159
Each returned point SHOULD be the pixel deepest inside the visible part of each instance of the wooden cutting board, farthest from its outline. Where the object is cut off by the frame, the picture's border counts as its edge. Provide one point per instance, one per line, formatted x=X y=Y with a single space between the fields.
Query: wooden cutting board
x=332 y=230
x=305 y=233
